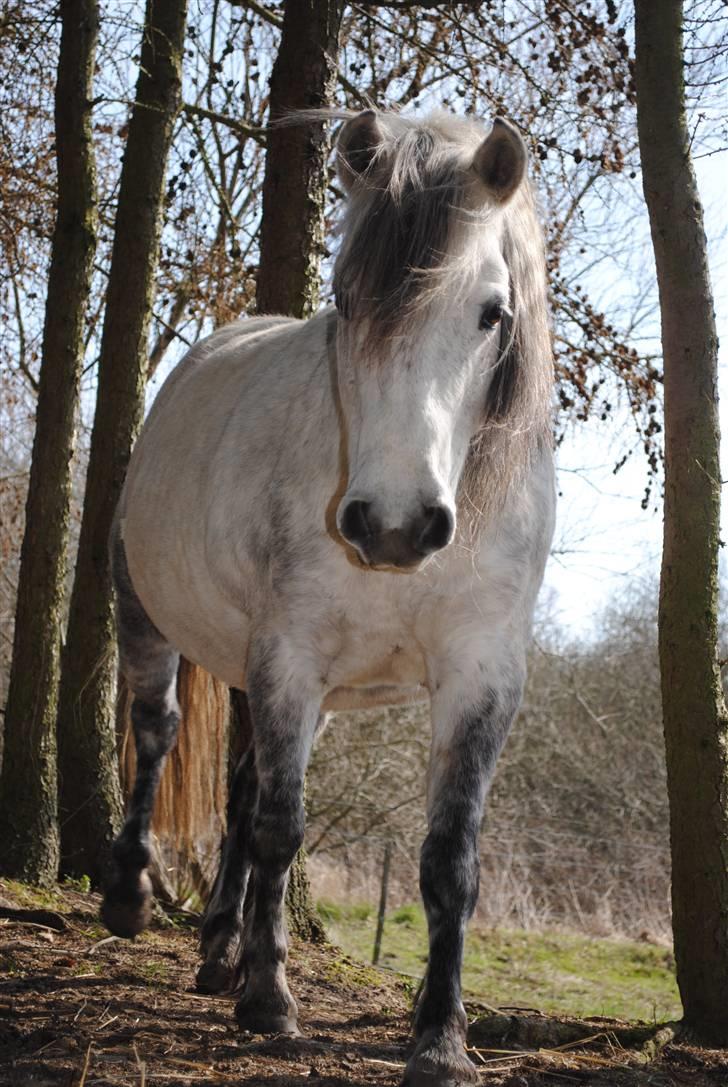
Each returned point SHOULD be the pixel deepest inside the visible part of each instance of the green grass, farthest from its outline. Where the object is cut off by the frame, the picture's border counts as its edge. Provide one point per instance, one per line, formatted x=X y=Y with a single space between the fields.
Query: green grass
x=35 y=898
x=564 y=973
x=82 y=884
x=154 y=972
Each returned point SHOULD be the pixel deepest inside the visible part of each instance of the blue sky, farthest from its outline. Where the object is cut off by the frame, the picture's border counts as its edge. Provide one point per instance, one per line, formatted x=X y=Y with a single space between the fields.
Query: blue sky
x=605 y=543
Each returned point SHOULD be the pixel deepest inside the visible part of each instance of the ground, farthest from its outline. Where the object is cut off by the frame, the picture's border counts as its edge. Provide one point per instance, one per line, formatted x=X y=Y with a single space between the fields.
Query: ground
x=78 y=1009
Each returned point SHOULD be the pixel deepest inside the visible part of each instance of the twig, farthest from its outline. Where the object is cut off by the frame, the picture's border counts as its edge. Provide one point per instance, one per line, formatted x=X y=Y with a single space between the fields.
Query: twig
x=28 y=924
x=101 y=943
x=265 y=13
x=85 y=1067
x=141 y=1066
x=243 y=129
x=45 y=918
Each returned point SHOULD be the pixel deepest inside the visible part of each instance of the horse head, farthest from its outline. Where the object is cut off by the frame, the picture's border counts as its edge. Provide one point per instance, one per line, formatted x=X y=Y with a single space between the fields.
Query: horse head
x=427 y=306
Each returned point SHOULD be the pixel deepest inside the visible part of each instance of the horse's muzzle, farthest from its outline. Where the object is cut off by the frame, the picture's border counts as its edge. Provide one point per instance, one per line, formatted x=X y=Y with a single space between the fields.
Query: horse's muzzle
x=403 y=548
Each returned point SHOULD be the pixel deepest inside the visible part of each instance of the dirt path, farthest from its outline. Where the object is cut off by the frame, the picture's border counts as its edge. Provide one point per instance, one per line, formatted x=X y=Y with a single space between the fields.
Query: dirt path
x=80 y=1010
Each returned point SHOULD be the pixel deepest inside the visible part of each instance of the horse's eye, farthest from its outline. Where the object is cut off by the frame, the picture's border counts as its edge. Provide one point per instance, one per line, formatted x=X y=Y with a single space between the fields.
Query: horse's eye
x=490 y=316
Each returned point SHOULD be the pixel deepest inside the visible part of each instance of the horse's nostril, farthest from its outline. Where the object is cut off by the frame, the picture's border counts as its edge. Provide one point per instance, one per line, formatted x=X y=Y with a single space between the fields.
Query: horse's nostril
x=355 y=524
x=437 y=529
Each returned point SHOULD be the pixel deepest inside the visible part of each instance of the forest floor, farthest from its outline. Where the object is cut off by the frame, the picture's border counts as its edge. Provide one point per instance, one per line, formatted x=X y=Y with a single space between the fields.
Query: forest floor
x=80 y=1009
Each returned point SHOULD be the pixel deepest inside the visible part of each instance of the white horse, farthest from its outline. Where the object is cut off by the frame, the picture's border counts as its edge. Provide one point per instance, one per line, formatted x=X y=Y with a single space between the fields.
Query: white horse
x=351 y=511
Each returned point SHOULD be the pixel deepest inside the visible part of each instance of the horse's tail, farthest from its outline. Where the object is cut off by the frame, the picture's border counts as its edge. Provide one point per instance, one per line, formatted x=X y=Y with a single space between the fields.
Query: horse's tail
x=189 y=814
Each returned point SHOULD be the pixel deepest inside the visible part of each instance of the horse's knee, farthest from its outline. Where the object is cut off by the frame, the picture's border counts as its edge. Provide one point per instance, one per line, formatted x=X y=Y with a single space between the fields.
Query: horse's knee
x=449 y=874
x=155 y=722
x=277 y=835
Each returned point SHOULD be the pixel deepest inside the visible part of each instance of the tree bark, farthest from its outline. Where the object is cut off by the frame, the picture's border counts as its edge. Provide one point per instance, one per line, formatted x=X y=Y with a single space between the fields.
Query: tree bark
x=292 y=232
x=294 y=186
x=89 y=793
x=695 y=722
x=28 y=801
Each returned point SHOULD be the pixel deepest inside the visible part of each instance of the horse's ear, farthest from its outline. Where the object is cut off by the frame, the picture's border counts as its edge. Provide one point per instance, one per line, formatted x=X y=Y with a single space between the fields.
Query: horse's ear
x=500 y=161
x=357 y=145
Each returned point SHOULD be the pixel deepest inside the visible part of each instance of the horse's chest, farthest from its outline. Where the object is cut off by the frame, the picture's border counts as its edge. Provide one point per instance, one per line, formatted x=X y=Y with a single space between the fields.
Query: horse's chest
x=366 y=633
x=387 y=658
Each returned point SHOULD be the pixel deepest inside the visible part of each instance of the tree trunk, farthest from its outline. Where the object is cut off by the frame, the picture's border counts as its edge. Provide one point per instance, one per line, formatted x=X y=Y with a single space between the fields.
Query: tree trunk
x=303 y=920
x=292 y=232
x=696 y=727
x=89 y=794
x=294 y=187
x=28 y=801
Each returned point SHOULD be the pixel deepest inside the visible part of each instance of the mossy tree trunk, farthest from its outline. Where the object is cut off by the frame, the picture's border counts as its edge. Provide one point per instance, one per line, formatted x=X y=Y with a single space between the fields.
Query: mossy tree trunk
x=28 y=801
x=292 y=230
x=89 y=793
x=696 y=726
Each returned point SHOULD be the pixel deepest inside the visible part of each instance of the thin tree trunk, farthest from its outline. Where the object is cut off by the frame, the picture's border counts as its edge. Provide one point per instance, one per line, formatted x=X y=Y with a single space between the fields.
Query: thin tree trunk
x=294 y=187
x=28 y=801
x=292 y=232
x=89 y=793
x=696 y=727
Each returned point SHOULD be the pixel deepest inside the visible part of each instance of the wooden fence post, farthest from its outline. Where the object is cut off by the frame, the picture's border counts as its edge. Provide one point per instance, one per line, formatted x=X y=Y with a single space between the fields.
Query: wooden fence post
x=382 y=902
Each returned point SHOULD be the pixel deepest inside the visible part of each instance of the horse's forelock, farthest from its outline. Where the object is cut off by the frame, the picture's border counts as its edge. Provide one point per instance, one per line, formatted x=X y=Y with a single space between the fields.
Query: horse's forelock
x=398 y=229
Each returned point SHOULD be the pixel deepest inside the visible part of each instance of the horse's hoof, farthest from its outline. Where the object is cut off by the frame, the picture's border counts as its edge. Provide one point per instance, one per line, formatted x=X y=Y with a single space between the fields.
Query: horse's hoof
x=257 y=1020
x=440 y=1061
x=127 y=907
x=216 y=977
x=419 y=1074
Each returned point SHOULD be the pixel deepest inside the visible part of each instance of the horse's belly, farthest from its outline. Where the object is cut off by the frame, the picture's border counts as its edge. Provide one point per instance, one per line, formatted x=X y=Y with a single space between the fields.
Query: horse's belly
x=223 y=653
x=188 y=608
x=365 y=698
x=220 y=648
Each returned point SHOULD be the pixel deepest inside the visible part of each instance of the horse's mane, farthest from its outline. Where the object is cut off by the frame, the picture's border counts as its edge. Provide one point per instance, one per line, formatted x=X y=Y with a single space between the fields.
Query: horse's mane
x=517 y=423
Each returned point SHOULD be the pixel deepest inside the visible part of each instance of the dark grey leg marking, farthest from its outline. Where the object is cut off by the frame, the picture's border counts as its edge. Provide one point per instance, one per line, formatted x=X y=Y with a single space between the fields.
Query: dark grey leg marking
x=221 y=938
x=266 y=1004
x=283 y=727
x=449 y=879
x=150 y=666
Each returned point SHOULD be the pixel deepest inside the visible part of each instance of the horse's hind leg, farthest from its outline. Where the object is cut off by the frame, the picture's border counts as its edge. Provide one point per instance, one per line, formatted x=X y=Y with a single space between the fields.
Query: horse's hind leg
x=150 y=666
x=222 y=929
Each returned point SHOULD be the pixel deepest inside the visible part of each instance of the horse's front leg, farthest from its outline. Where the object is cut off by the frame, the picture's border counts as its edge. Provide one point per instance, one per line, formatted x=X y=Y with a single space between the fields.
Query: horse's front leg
x=470 y=723
x=284 y=714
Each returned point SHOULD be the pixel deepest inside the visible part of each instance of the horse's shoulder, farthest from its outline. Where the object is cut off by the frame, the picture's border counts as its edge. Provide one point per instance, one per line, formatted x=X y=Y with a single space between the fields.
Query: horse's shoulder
x=230 y=341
